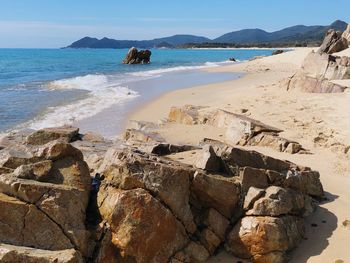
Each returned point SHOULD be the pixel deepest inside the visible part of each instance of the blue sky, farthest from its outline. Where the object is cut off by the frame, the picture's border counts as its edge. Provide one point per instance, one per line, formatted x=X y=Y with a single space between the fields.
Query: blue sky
x=57 y=23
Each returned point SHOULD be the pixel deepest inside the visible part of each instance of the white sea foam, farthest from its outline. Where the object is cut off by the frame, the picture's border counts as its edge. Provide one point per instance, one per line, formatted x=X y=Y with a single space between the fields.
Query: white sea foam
x=89 y=82
x=159 y=72
x=102 y=94
x=104 y=91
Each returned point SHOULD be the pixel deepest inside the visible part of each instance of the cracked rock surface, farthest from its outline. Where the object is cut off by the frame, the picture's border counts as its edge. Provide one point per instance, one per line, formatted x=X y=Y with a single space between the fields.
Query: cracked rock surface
x=150 y=206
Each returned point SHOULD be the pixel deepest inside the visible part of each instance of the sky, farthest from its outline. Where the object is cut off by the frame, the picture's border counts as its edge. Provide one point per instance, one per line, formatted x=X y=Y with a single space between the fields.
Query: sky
x=57 y=23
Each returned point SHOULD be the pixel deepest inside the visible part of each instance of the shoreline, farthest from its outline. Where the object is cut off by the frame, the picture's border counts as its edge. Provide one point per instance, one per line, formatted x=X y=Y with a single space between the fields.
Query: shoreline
x=303 y=117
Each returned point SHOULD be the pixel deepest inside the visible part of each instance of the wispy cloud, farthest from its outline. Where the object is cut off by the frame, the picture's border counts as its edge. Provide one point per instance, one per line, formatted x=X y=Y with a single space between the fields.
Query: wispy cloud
x=47 y=34
x=178 y=20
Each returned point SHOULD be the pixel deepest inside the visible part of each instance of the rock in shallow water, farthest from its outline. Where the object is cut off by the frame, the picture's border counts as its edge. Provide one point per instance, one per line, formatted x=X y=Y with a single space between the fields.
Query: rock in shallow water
x=137 y=57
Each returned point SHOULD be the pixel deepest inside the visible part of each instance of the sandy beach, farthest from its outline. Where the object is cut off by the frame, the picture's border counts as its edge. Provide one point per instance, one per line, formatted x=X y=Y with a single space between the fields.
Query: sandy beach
x=320 y=122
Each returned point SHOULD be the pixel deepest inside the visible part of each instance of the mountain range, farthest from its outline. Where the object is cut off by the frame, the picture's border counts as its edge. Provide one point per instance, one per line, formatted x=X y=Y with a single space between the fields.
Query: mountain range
x=295 y=35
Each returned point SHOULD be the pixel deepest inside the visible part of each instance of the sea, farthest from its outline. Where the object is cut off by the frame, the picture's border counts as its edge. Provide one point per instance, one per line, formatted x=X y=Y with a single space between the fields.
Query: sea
x=52 y=87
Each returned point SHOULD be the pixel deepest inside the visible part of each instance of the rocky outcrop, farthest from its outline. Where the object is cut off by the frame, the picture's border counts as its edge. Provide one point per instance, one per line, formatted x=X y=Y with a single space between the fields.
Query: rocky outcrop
x=142 y=228
x=147 y=207
x=188 y=115
x=204 y=206
x=14 y=254
x=333 y=42
x=45 y=192
x=137 y=57
x=317 y=72
x=320 y=68
x=265 y=239
x=240 y=129
x=346 y=34
x=65 y=133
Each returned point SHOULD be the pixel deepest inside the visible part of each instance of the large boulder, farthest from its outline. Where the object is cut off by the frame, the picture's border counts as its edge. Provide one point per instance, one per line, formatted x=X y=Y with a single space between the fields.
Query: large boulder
x=166 y=180
x=25 y=225
x=346 y=34
x=333 y=42
x=17 y=254
x=45 y=190
x=279 y=201
x=239 y=128
x=277 y=52
x=137 y=57
x=265 y=239
x=43 y=136
x=187 y=114
x=214 y=191
x=142 y=228
x=320 y=69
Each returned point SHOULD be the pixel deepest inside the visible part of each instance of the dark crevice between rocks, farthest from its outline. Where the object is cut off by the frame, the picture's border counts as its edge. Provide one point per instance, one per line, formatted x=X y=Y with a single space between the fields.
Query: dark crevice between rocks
x=93 y=216
x=24 y=224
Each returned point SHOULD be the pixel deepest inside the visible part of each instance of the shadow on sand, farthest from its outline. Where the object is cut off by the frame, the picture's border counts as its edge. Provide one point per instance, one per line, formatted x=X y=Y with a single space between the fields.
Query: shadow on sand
x=318 y=228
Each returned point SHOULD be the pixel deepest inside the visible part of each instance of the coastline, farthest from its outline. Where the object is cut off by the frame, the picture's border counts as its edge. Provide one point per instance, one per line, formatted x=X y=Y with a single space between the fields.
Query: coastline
x=304 y=117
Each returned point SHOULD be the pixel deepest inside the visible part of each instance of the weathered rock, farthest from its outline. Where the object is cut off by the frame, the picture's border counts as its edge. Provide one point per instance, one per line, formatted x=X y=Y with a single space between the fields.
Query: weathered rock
x=252 y=196
x=35 y=171
x=68 y=167
x=214 y=191
x=239 y=127
x=235 y=157
x=17 y=254
x=137 y=57
x=43 y=136
x=279 y=201
x=25 y=225
x=4 y=170
x=188 y=114
x=107 y=251
x=209 y=240
x=318 y=69
x=208 y=160
x=94 y=148
x=11 y=158
x=293 y=147
x=142 y=228
x=265 y=239
x=346 y=34
x=277 y=52
x=166 y=180
x=217 y=223
x=311 y=84
x=64 y=205
x=142 y=136
x=253 y=177
x=324 y=66
x=131 y=56
x=162 y=149
x=56 y=150
x=144 y=56
x=307 y=182
x=273 y=140
x=333 y=42
x=196 y=252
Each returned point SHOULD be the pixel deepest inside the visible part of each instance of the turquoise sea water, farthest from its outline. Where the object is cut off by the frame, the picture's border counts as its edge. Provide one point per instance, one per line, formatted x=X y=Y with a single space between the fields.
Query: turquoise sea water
x=71 y=84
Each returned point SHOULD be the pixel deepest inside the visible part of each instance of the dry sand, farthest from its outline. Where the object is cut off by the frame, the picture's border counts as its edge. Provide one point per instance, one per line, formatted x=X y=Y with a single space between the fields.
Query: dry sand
x=320 y=122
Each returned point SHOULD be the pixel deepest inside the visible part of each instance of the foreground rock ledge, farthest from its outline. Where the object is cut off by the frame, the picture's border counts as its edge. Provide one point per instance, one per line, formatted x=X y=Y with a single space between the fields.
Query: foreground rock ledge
x=149 y=208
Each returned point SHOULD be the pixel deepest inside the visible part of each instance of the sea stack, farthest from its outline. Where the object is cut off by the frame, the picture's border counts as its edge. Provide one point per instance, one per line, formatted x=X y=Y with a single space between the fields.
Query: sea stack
x=137 y=57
